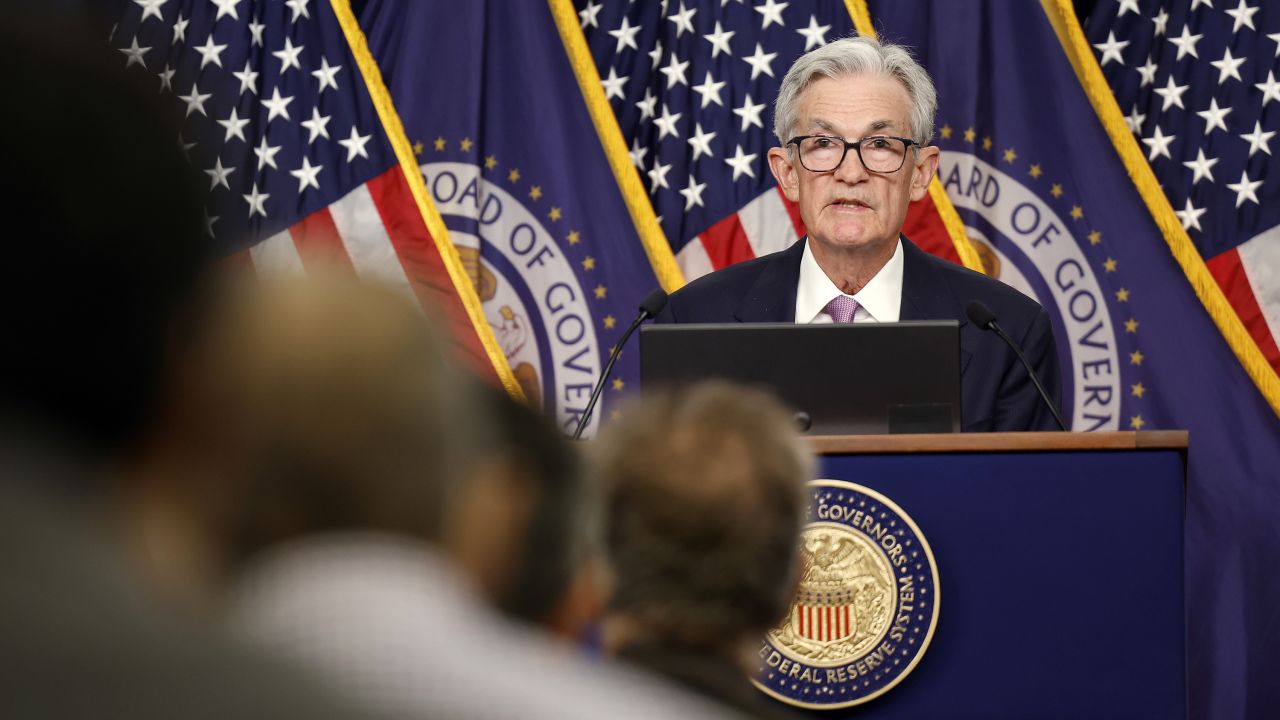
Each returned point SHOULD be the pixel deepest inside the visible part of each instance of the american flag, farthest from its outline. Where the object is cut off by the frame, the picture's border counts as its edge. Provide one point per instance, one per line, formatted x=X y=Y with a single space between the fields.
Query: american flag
x=1199 y=84
x=692 y=85
x=302 y=169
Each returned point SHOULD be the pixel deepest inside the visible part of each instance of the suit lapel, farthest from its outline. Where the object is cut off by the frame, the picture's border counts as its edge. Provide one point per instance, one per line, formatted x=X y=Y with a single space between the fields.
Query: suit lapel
x=926 y=295
x=772 y=297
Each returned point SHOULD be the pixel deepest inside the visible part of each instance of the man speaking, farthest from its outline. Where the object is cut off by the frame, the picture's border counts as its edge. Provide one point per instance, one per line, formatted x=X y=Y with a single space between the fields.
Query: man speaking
x=855 y=119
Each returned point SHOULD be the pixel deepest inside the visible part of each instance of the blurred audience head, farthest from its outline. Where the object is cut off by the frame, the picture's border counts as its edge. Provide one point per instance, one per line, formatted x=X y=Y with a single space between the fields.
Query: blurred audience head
x=703 y=495
x=322 y=405
x=549 y=576
x=112 y=241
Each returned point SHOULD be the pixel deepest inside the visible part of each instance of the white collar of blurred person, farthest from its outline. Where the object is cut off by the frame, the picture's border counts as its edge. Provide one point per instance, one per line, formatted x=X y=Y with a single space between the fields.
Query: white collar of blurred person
x=393 y=624
x=333 y=569
x=373 y=574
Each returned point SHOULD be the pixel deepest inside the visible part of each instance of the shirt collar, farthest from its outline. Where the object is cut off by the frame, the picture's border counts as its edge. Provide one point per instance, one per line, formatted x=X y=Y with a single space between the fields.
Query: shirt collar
x=879 y=301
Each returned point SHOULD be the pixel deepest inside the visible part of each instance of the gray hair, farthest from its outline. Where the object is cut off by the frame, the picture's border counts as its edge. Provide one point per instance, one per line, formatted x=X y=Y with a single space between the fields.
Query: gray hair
x=704 y=500
x=858 y=56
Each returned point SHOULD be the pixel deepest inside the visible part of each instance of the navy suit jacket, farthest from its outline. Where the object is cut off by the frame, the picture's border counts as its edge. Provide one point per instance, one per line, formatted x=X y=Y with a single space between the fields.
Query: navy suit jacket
x=996 y=394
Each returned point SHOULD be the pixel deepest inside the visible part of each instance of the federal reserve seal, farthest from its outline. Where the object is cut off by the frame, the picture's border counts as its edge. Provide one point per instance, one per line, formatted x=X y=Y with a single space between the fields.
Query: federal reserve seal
x=866 y=608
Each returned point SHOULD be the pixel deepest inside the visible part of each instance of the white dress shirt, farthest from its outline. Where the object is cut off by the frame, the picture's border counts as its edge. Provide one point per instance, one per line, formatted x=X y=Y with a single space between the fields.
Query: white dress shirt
x=879 y=301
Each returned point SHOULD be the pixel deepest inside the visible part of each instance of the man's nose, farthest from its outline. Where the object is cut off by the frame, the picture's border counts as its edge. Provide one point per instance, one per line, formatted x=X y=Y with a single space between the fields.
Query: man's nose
x=851 y=170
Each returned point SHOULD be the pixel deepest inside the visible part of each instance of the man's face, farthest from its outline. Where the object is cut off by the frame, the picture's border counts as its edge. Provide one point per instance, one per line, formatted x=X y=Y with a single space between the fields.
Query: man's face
x=849 y=207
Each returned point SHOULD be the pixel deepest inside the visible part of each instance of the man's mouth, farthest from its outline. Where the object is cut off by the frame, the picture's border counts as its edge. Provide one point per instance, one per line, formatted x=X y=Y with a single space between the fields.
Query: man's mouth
x=850 y=203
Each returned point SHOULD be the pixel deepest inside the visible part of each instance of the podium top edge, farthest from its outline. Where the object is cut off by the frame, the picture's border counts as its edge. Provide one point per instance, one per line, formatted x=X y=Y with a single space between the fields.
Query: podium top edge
x=999 y=442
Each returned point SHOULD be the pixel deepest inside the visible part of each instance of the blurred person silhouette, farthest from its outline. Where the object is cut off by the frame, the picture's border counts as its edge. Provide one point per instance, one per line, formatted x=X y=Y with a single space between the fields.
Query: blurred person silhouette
x=105 y=248
x=555 y=580
x=704 y=501
x=370 y=518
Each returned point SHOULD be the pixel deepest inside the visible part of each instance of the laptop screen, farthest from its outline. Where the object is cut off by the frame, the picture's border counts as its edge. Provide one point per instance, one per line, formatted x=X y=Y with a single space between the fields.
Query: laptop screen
x=849 y=379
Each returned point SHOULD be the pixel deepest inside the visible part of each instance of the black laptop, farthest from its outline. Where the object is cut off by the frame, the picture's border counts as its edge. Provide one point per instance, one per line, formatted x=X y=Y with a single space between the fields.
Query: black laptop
x=860 y=378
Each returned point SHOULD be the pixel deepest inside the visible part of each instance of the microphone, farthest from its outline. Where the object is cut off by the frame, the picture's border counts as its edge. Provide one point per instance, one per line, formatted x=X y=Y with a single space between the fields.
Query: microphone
x=649 y=307
x=980 y=314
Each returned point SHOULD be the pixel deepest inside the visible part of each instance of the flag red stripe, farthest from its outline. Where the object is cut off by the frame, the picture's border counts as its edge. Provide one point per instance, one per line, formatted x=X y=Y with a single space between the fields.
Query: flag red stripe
x=319 y=244
x=1230 y=275
x=425 y=268
x=925 y=228
x=726 y=242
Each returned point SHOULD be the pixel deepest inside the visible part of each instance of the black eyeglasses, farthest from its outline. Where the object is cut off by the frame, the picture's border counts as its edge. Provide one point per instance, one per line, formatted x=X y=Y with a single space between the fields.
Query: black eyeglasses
x=877 y=153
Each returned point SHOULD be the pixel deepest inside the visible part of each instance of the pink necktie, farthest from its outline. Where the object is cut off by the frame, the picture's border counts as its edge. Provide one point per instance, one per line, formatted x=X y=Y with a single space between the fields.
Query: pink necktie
x=842 y=308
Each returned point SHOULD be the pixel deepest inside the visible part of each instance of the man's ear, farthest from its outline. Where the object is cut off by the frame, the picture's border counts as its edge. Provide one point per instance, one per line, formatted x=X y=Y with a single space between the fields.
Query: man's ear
x=580 y=609
x=926 y=164
x=786 y=172
x=485 y=524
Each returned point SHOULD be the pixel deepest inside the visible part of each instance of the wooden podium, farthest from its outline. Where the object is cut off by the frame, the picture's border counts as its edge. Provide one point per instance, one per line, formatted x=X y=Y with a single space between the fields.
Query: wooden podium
x=1060 y=564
